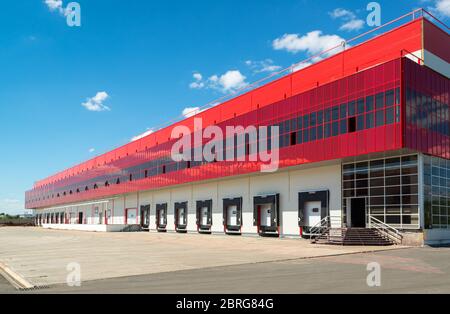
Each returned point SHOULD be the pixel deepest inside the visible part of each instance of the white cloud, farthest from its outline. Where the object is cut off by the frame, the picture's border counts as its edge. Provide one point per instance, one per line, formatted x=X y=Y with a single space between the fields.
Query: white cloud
x=351 y=22
x=56 y=5
x=266 y=65
x=91 y=150
x=300 y=66
x=342 y=13
x=191 y=111
x=353 y=25
x=198 y=76
x=227 y=82
x=197 y=84
x=311 y=43
x=146 y=133
x=96 y=103
x=232 y=80
x=441 y=8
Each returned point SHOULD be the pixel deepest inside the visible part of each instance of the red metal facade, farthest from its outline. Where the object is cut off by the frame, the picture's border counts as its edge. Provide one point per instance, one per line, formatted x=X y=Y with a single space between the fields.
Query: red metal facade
x=346 y=105
x=314 y=126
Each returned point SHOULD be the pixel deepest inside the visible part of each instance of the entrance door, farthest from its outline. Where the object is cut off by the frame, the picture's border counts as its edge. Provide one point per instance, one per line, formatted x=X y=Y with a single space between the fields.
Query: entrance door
x=80 y=218
x=313 y=213
x=358 y=212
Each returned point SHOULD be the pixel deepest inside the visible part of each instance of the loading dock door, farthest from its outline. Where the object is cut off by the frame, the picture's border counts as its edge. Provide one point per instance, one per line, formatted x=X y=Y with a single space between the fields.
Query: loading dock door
x=181 y=217
x=266 y=213
x=145 y=216
x=313 y=206
x=131 y=218
x=232 y=215
x=313 y=213
x=204 y=216
x=161 y=217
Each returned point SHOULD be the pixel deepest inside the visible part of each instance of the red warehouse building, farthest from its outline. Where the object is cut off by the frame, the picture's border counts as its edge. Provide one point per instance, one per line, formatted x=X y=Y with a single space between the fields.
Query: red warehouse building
x=364 y=149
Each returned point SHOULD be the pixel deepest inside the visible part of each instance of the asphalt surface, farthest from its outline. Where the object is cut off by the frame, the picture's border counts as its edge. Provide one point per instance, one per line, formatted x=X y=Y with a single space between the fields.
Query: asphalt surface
x=5 y=286
x=416 y=270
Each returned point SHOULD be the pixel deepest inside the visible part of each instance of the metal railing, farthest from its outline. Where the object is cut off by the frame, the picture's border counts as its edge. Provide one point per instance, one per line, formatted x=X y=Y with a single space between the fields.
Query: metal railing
x=320 y=228
x=386 y=230
x=324 y=226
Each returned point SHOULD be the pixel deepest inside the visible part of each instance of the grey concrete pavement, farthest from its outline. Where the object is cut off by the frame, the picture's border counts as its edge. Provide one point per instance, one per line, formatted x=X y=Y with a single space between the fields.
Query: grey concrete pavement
x=418 y=270
x=42 y=256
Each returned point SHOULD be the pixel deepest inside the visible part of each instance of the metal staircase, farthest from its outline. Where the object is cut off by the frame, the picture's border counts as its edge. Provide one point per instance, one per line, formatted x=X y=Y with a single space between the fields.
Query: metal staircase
x=378 y=234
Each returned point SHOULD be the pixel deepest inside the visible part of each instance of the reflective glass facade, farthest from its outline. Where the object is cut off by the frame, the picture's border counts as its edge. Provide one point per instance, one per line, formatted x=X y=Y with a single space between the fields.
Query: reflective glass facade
x=436 y=192
x=390 y=187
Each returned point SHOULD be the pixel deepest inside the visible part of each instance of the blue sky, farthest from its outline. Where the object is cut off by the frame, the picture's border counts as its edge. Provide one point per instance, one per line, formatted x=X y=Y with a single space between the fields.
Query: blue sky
x=70 y=93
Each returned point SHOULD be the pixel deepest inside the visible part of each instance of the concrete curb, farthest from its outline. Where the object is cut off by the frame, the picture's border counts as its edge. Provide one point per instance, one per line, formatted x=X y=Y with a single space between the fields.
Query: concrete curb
x=14 y=278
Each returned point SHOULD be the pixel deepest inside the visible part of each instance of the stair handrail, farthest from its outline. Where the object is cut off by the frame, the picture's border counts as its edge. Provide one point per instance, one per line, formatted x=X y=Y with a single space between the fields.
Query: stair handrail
x=320 y=228
x=385 y=229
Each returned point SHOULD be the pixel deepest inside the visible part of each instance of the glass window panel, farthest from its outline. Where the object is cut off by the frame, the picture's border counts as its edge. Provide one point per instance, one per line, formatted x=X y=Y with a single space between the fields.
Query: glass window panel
x=393 y=200
x=306 y=136
x=335 y=113
x=377 y=191
x=313 y=119
x=377 y=182
x=362 y=183
x=328 y=115
x=377 y=201
x=360 y=123
x=392 y=181
x=343 y=111
x=343 y=129
x=393 y=210
x=335 y=129
x=393 y=190
x=300 y=123
x=390 y=98
x=377 y=210
x=362 y=192
x=392 y=162
x=299 y=137
x=410 y=209
x=320 y=132
x=352 y=109
x=392 y=172
x=349 y=193
x=360 y=106
x=393 y=220
x=390 y=116
x=313 y=134
x=327 y=132
x=349 y=185
x=320 y=117
x=410 y=179
x=379 y=101
x=370 y=100
x=370 y=120
x=380 y=118
x=306 y=121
